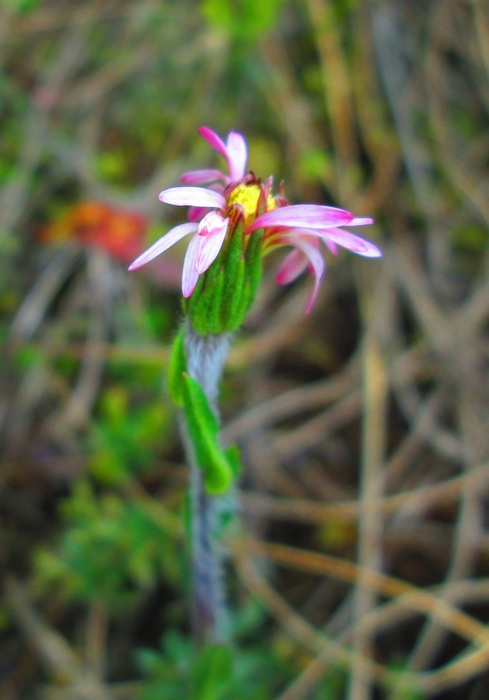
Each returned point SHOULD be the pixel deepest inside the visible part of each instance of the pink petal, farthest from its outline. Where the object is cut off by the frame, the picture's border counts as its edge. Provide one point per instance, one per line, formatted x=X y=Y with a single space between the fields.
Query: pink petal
x=292 y=266
x=332 y=237
x=163 y=243
x=200 y=177
x=190 y=276
x=361 y=221
x=192 y=197
x=287 y=237
x=350 y=241
x=304 y=216
x=237 y=155
x=212 y=233
x=215 y=141
x=317 y=263
x=197 y=213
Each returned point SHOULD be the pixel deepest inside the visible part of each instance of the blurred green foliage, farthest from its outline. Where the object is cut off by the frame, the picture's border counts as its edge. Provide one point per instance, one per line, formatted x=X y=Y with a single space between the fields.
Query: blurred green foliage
x=22 y=6
x=243 y=20
x=217 y=673
x=111 y=550
x=126 y=437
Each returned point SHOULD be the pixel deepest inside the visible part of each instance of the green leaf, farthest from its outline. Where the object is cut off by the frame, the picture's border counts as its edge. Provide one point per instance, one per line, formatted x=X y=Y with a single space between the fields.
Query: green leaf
x=197 y=405
x=212 y=673
x=203 y=430
x=176 y=367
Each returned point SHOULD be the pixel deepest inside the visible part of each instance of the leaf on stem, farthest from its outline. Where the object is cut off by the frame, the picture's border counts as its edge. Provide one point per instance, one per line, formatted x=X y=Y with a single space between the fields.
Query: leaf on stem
x=219 y=465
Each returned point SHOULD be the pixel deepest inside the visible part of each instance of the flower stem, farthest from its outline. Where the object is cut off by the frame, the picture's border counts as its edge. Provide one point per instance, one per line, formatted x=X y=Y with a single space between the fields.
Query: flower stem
x=205 y=360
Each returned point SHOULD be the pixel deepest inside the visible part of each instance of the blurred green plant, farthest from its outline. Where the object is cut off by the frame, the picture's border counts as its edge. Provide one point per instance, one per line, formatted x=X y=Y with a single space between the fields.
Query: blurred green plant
x=22 y=7
x=213 y=673
x=252 y=669
x=179 y=672
x=245 y=20
x=402 y=689
x=125 y=437
x=111 y=550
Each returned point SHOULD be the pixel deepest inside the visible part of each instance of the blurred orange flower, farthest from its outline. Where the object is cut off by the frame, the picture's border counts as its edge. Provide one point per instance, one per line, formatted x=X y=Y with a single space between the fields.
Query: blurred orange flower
x=120 y=233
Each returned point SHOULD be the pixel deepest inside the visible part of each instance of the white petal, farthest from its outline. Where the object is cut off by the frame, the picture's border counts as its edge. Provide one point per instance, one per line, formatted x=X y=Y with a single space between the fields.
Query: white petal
x=190 y=276
x=237 y=156
x=163 y=243
x=212 y=234
x=192 y=197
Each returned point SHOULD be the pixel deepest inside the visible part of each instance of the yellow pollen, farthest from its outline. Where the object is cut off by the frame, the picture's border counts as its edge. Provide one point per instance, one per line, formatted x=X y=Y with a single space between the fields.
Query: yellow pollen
x=247 y=196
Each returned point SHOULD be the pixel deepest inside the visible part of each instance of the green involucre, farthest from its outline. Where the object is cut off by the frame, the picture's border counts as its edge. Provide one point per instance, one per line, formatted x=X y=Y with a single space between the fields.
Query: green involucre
x=226 y=291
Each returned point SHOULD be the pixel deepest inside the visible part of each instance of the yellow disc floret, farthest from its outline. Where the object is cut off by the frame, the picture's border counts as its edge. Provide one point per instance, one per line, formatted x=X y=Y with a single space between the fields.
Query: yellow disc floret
x=247 y=197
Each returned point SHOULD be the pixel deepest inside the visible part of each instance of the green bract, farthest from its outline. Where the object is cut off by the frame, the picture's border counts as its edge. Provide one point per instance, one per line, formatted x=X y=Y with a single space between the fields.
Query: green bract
x=225 y=292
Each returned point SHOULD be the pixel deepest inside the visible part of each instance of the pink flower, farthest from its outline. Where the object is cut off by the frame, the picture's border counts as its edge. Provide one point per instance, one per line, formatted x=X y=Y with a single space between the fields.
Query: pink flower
x=301 y=227
x=212 y=228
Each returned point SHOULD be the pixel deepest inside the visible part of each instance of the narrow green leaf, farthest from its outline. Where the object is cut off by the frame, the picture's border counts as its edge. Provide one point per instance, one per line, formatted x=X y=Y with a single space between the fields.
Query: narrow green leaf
x=176 y=367
x=195 y=402
x=218 y=477
x=203 y=429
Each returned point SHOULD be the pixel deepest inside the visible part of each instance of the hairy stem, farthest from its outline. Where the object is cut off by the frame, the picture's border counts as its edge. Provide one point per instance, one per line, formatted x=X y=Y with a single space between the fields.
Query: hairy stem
x=205 y=360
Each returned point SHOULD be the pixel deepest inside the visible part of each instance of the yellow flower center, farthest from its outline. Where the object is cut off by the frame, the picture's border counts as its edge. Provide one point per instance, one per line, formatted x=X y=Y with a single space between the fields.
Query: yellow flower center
x=247 y=196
